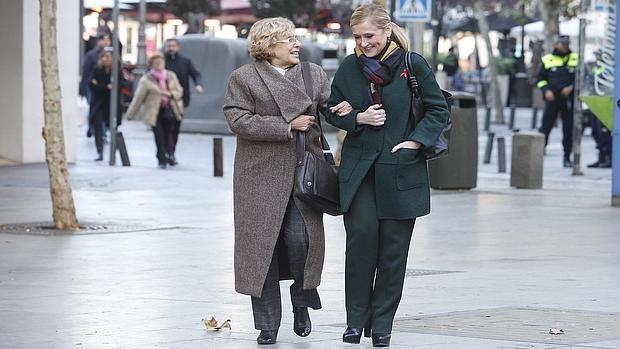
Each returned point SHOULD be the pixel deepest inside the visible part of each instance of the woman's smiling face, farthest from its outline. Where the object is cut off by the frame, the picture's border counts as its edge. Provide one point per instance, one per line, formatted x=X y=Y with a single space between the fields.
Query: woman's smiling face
x=286 y=51
x=370 y=39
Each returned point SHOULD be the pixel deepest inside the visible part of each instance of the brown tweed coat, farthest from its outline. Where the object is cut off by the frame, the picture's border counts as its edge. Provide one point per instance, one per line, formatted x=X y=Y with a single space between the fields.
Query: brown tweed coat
x=259 y=105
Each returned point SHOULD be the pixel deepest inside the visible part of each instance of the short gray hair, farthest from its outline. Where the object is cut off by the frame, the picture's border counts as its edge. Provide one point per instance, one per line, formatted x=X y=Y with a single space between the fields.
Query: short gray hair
x=265 y=33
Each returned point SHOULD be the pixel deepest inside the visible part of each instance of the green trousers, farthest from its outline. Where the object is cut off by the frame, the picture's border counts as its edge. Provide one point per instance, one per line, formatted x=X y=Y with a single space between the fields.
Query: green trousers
x=376 y=261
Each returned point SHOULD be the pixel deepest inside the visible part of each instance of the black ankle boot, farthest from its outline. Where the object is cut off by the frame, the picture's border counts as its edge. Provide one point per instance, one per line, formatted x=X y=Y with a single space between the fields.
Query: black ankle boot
x=605 y=163
x=172 y=161
x=301 y=322
x=381 y=340
x=354 y=334
x=267 y=337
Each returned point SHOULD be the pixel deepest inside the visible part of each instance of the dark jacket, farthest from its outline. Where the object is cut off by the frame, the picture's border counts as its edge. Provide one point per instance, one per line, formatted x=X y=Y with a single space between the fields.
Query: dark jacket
x=557 y=71
x=100 y=95
x=451 y=64
x=88 y=66
x=184 y=69
x=401 y=178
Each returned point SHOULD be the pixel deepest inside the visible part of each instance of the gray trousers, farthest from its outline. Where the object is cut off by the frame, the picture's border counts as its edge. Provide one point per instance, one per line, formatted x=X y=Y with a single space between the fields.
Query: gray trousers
x=293 y=238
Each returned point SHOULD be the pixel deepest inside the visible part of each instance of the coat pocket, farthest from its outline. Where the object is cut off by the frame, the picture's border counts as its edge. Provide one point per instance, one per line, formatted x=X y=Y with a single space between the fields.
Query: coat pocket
x=411 y=169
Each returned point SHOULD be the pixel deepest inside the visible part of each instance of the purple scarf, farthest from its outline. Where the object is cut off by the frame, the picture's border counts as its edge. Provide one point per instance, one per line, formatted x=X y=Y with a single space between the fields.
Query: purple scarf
x=379 y=71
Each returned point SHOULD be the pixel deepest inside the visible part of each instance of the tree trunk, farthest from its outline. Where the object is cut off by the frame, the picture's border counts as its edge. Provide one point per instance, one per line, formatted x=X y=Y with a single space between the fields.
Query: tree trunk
x=438 y=16
x=483 y=25
x=550 y=10
x=60 y=189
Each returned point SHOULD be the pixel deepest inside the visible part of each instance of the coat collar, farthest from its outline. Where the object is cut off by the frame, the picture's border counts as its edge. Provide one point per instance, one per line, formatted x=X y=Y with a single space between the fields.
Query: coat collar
x=290 y=98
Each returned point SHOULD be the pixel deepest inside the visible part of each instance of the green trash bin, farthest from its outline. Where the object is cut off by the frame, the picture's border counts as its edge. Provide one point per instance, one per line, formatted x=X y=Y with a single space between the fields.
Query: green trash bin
x=459 y=169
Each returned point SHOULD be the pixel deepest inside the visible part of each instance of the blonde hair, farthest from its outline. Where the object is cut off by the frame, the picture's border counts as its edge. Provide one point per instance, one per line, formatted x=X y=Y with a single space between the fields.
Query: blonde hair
x=265 y=33
x=378 y=16
x=154 y=56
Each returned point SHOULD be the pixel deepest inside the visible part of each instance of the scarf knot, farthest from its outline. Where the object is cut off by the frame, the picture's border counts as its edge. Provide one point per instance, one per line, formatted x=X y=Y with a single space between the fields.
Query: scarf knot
x=379 y=70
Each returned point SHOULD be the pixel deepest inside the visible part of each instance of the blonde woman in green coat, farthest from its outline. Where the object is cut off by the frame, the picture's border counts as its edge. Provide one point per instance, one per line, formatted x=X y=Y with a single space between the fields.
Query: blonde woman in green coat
x=383 y=176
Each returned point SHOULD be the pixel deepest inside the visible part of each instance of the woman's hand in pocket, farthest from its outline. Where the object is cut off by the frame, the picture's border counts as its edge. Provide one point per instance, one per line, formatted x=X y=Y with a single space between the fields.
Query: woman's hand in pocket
x=406 y=145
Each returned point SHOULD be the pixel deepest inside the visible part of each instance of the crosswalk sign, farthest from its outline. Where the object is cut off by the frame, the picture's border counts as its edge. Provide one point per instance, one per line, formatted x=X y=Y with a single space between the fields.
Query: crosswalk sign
x=413 y=10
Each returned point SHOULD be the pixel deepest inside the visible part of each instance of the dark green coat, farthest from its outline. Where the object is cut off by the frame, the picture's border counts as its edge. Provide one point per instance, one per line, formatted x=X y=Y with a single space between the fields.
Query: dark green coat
x=402 y=177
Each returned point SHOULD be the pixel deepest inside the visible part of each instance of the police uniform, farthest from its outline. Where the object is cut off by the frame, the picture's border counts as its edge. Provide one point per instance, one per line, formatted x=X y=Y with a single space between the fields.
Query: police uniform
x=557 y=72
x=600 y=133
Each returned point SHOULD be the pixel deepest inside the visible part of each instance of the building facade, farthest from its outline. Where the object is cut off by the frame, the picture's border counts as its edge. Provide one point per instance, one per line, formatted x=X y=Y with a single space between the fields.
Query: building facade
x=21 y=93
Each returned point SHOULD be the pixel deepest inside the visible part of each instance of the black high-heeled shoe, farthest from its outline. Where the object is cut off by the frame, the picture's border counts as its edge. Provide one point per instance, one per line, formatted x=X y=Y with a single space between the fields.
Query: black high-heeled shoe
x=267 y=337
x=381 y=340
x=354 y=334
x=302 y=326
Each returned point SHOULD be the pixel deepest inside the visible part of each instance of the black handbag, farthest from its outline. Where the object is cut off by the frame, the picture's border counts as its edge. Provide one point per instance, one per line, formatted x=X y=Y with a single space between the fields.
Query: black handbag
x=166 y=112
x=316 y=177
x=442 y=144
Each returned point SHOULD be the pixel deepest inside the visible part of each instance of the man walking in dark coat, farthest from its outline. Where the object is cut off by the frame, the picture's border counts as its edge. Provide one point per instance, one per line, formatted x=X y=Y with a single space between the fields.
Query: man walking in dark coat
x=90 y=62
x=184 y=69
x=88 y=66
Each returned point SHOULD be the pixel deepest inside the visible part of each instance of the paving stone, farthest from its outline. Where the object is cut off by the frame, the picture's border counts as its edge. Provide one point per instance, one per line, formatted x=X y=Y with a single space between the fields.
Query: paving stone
x=520 y=324
x=555 y=248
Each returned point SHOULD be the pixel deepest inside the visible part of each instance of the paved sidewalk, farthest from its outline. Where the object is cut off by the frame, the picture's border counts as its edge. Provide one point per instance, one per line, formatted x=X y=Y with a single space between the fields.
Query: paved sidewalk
x=493 y=267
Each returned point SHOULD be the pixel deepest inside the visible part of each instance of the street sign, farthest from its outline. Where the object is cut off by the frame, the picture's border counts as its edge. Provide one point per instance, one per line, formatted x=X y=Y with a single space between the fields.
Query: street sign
x=600 y=5
x=413 y=10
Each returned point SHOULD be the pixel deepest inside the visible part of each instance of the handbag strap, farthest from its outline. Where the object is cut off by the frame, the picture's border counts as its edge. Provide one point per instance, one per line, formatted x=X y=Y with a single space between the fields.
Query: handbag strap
x=412 y=81
x=411 y=78
x=301 y=136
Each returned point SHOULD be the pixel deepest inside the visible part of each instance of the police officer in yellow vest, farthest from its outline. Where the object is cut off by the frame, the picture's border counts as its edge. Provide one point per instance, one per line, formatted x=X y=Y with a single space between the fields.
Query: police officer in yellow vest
x=556 y=79
x=600 y=133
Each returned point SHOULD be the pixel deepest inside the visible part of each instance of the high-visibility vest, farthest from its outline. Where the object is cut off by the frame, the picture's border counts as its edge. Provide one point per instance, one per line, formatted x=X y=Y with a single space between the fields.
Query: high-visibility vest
x=559 y=69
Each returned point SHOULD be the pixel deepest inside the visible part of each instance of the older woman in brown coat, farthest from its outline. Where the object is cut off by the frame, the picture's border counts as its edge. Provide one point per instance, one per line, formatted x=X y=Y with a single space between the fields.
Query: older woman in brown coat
x=276 y=236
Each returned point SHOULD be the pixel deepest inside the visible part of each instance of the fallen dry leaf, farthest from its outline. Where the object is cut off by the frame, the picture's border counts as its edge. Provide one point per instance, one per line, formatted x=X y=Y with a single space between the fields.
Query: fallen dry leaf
x=212 y=324
x=556 y=331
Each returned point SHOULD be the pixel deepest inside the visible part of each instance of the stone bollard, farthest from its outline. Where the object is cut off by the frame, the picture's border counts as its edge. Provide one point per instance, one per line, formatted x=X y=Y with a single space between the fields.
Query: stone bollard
x=218 y=157
x=526 y=170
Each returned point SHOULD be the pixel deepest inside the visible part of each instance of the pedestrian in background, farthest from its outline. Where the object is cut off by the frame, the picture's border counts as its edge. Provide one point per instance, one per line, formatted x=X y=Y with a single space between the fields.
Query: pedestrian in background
x=600 y=133
x=451 y=67
x=159 y=94
x=88 y=66
x=100 y=86
x=383 y=175
x=91 y=58
x=276 y=236
x=556 y=80
x=184 y=69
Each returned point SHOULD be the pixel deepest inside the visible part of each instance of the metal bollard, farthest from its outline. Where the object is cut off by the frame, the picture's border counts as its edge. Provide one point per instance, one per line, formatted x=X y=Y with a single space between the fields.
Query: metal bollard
x=122 y=149
x=534 y=117
x=487 y=119
x=489 y=148
x=218 y=167
x=501 y=154
x=511 y=122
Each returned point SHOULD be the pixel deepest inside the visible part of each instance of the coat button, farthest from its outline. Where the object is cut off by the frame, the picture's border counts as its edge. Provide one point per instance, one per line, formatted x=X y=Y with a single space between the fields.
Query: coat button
x=309 y=184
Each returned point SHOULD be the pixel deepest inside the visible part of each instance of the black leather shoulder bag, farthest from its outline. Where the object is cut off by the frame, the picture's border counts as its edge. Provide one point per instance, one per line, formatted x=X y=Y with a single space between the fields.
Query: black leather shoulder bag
x=316 y=177
x=442 y=144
